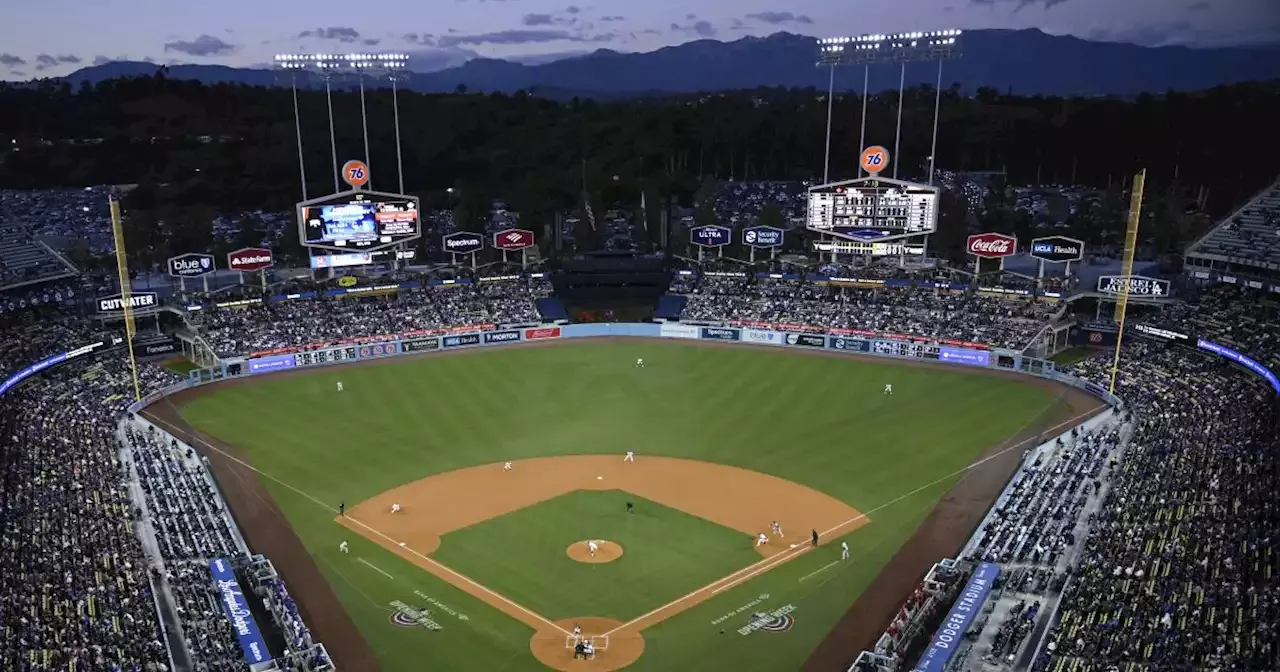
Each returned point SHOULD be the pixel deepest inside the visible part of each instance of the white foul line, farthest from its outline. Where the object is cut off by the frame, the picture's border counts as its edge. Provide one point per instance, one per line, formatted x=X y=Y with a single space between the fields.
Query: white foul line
x=250 y=467
x=827 y=566
x=772 y=561
x=370 y=565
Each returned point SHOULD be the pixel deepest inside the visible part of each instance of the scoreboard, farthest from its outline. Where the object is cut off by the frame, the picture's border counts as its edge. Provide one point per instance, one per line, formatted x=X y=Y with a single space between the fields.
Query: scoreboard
x=361 y=221
x=873 y=209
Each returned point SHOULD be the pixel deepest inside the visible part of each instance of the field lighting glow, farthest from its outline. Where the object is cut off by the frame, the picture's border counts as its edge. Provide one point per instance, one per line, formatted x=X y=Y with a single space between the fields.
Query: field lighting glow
x=382 y=61
x=933 y=38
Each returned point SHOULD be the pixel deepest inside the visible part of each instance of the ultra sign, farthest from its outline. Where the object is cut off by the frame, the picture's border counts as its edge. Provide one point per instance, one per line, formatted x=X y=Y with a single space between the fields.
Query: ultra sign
x=1057 y=249
x=190 y=265
x=710 y=236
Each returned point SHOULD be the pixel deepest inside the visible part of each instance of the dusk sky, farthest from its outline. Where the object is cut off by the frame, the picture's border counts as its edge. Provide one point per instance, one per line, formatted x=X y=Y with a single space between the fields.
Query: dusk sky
x=55 y=37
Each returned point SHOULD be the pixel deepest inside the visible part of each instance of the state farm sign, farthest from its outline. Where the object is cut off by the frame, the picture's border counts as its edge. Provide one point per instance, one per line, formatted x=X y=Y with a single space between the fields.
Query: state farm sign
x=463 y=242
x=513 y=239
x=250 y=259
x=992 y=245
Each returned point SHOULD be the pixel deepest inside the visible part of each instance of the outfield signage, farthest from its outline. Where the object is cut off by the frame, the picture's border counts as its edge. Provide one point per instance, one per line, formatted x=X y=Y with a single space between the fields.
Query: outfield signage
x=236 y=609
x=265 y=364
x=991 y=245
x=250 y=259
x=964 y=356
x=420 y=344
x=854 y=344
x=1138 y=285
x=513 y=239
x=501 y=336
x=760 y=336
x=115 y=304
x=710 y=236
x=807 y=340
x=1057 y=249
x=720 y=334
x=1162 y=334
x=190 y=265
x=154 y=348
x=669 y=330
x=950 y=634
x=541 y=333
x=762 y=236
x=378 y=349
x=463 y=242
x=461 y=340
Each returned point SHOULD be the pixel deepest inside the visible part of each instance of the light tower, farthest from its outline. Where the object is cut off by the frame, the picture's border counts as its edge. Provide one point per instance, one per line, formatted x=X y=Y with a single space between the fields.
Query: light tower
x=390 y=66
x=878 y=49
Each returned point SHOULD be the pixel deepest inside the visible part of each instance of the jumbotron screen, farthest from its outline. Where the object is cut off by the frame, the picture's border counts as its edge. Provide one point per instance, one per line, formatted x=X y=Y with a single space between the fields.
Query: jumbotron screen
x=872 y=210
x=360 y=223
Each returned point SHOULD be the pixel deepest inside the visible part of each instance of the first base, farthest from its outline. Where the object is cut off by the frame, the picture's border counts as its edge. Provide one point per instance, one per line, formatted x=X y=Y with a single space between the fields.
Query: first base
x=599 y=478
x=792 y=545
x=402 y=543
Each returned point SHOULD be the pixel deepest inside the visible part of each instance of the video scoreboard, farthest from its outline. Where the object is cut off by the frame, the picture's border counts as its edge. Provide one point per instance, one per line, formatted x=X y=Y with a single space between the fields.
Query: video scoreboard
x=873 y=209
x=361 y=221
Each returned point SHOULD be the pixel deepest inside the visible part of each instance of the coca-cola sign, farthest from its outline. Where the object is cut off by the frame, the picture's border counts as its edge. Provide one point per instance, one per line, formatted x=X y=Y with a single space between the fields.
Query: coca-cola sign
x=513 y=239
x=250 y=259
x=992 y=245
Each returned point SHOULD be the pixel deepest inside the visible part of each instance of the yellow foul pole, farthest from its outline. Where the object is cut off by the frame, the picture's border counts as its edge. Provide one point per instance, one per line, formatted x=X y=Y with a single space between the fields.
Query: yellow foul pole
x=122 y=267
x=1126 y=269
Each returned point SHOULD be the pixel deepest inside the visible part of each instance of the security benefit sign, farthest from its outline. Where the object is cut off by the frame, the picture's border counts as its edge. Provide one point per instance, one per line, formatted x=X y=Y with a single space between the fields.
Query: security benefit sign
x=1057 y=249
x=137 y=301
x=190 y=265
x=710 y=236
x=762 y=236
x=236 y=608
x=1137 y=285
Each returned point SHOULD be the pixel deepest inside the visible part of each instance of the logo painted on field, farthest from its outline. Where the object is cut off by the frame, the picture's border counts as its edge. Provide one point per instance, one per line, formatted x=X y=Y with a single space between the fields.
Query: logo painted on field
x=778 y=620
x=405 y=616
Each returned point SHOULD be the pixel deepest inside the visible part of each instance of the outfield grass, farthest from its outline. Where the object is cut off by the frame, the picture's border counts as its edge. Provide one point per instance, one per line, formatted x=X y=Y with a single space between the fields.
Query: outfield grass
x=180 y=365
x=666 y=553
x=818 y=421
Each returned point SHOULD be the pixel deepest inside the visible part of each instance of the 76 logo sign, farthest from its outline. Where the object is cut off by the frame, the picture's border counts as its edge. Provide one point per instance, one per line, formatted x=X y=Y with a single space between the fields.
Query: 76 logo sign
x=355 y=173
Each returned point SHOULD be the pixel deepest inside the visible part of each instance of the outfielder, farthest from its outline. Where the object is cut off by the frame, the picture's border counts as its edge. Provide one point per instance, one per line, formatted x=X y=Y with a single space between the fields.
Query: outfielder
x=844 y=550
x=630 y=457
x=339 y=385
x=762 y=540
x=395 y=508
x=343 y=547
x=506 y=466
x=776 y=528
x=592 y=547
x=888 y=388
x=640 y=363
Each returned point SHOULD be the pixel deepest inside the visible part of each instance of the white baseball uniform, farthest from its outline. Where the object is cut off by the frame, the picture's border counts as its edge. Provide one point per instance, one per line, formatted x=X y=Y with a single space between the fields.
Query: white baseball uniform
x=506 y=466
x=343 y=547
x=888 y=389
x=777 y=528
x=631 y=456
x=640 y=363
x=395 y=508
x=844 y=550
x=339 y=386
x=762 y=539
x=592 y=548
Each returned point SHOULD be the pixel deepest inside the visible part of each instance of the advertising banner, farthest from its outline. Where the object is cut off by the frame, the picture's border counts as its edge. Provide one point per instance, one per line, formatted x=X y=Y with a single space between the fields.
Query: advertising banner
x=964 y=356
x=854 y=344
x=720 y=334
x=276 y=363
x=950 y=634
x=501 y=336
x=710 y=236
x=137 y=300
x=513 y=239
x=669 y=330
x=991 y=245
x=156 y=348
x=540 y=333
x=420 y=344
x=1057 y=249
x=378 y=349
x=761 y=336
x=464 y=339
x=236 y=609
x=190 y=265
x=462 y=242
x=1242 y=360
x=1138 y=285
x=1093 y=337
x=250 y=259
x=762 y=236
x=806 y=340
x=1161 y=334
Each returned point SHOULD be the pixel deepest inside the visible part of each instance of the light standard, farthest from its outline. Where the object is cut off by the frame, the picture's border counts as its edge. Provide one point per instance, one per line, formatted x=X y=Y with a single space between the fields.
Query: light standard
x=393 y=66
x=876 y=49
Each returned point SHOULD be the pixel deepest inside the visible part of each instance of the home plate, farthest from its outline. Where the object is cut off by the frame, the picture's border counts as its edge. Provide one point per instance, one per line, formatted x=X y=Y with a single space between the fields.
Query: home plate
x=599 y=478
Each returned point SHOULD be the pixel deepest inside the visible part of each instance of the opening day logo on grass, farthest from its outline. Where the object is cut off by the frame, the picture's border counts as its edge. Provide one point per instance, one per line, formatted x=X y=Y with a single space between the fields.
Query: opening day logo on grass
x=778 y=620
x=406 y=616
x=739 y=610
x=441 y=606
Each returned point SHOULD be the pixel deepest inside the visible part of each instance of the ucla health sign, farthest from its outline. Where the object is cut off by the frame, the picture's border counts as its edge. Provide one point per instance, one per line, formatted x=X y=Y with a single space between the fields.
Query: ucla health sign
x=237 y=612
x=710 y=236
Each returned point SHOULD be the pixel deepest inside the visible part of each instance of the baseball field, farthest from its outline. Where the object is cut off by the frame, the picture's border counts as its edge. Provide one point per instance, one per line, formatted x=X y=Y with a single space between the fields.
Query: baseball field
x=489 y=568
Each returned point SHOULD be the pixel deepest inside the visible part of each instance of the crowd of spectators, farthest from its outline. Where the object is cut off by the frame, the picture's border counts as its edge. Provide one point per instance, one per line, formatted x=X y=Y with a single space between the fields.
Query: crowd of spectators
x=921 y=312
x=1178 y=569
x=273 y=325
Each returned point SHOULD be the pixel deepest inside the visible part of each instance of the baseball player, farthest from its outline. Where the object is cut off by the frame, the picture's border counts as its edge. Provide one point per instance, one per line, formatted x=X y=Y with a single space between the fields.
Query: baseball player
x=776 y=528
x=592 y=547
x=343 y=547
x=339 y=385
x=506 y=466
x=577 y=631
x=762 y=540
x=640 y=363
x=630 y=457
x=844 y=550
x=395 y=508
x=815 y=537
x=888 y=388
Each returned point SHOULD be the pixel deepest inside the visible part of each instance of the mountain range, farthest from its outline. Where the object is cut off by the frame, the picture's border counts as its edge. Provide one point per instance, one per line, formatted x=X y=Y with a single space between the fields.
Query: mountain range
x=1027 y=62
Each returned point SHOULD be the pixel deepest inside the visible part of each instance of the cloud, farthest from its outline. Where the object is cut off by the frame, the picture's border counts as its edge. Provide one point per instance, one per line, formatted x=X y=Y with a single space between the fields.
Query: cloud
x=432 y=60
x=700 y=28
x=339 y=33
x=613 y=17
x=101 y=60
x=776 y=18
x=11 y=61
x=572 y=9
x=1152 y=35
x=518 y=37
x=1020 y=4
x=371 y=42
x=46 y=61
x=205 y=45
x=537 y=20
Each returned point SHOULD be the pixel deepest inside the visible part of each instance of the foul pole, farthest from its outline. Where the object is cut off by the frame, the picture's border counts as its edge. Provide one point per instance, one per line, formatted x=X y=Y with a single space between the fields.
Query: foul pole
x=122 y=268
x=1126 y=270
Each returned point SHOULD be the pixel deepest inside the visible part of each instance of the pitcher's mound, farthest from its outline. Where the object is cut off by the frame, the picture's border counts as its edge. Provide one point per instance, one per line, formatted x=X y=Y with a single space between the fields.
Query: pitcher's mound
x=606 y=551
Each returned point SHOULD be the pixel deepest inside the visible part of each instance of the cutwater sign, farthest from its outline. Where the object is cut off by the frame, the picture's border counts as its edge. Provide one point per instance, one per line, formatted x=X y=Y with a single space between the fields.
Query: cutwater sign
x=237 y=612
x=137 y=300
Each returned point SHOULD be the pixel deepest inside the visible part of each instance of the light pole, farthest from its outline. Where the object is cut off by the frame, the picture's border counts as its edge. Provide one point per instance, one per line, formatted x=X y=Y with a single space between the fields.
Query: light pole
x=390 y=65
x=880 y=49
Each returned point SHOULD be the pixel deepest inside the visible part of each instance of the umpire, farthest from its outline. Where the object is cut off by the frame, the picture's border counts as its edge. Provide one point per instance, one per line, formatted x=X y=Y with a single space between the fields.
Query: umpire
x=815 y=537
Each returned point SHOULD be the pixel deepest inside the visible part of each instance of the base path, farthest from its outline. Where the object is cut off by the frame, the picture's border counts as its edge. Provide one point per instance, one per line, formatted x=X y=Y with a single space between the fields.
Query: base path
x=739 y=499
x=606 y=551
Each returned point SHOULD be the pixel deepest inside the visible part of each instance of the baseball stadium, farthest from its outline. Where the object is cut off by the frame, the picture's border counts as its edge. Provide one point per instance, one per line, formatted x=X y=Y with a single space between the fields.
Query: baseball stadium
x=382 y=433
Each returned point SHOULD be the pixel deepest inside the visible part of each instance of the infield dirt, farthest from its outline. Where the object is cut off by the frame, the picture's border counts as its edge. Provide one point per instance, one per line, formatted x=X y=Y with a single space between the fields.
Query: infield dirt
x=606 y=551
x=943 y=533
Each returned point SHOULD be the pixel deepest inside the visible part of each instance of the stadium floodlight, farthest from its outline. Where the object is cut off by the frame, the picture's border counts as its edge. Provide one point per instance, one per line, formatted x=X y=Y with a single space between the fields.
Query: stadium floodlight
x=390 y=65
x=885 y=48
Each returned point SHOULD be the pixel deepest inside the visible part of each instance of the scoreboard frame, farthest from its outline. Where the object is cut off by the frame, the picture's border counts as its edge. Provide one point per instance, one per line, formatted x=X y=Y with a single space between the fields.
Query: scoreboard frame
x=353 y=196
x=929 y=193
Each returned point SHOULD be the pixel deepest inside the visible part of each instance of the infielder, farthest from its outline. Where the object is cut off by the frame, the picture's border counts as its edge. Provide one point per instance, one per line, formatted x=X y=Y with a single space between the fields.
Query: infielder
x=343 y=547
x=506 y=466
x=592 y=547
x=776 y=528
x=844 y=550
x=395 y=508
x=640 y=363
x=762 y=540
x=630 y=457
x=888 y=388
x=339 y=385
